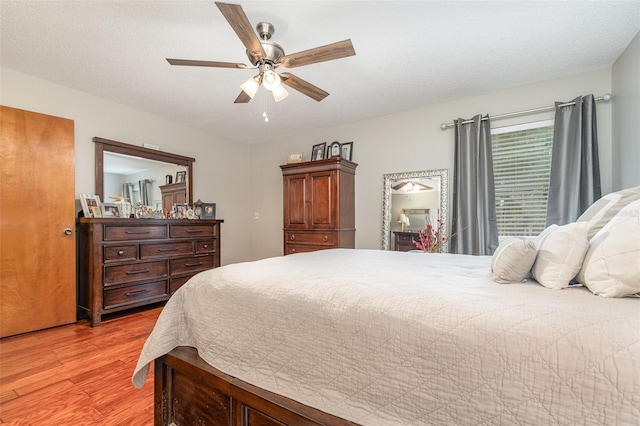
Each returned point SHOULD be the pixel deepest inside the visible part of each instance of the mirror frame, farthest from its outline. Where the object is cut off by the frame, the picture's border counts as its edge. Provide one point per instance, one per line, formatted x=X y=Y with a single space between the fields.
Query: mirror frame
x=103 y=145
x=389 y=178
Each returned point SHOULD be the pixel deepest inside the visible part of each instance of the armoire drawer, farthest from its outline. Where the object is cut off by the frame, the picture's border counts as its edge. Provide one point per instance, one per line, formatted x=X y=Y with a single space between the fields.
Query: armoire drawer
x=120 y=253
x=303 y=248
x=135 y=272
x=309 y=237
x=124 y=233
x=114 y=297
x=191 y=264
x=168 y=249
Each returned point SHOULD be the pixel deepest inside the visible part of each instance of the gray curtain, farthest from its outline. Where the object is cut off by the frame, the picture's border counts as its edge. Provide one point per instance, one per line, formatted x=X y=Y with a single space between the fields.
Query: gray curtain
x=574 y=183
x=127 y=192
x=474 y=227
x=145 y=192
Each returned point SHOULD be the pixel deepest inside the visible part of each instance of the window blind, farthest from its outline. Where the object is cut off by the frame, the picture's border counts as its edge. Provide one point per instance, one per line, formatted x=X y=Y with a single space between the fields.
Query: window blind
x=521 y=166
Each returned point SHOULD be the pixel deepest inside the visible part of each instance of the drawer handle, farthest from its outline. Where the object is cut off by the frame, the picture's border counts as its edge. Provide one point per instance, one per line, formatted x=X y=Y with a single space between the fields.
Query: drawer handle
x=292 y=251
x=136 y=232
x=135 y=293
x=120 y=252
x=161 y=249
x=194 y=231
x=205 y=245
x=325 y=238
x=193 y=264
x=139 y=271
x=292 y=237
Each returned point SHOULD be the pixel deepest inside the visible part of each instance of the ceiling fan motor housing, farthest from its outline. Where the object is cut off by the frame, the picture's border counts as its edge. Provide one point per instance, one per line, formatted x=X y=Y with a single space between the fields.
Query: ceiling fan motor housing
x=273 y=50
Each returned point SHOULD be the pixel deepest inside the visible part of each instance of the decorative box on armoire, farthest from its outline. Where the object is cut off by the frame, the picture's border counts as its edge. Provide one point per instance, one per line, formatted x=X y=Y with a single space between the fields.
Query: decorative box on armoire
x=319 y=205
x=128 y=263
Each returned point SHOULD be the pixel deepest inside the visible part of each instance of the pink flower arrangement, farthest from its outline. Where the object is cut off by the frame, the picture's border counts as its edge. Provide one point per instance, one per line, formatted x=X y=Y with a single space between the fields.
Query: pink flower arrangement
x=429 y=240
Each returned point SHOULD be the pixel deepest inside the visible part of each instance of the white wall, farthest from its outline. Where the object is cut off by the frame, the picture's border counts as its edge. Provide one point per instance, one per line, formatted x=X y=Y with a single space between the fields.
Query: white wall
x=218 y=170
x=407 y=141
x=626 y=117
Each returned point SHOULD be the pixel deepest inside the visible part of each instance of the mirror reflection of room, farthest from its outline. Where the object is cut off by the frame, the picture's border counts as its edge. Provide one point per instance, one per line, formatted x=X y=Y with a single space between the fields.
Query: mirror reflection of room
x=415 y=203
x=138 y=180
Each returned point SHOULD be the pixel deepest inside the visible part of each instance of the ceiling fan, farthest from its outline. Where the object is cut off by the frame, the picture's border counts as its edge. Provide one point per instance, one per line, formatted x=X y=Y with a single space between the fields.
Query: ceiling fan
x=266 y=56
x=413 y=184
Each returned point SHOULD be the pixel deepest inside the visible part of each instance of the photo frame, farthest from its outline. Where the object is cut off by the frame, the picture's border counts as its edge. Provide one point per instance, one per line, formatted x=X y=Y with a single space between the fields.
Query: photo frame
x=96 y=212
x=347 y=150
x=294 y=157
x=318 y=151
x=208 y=211
x=180 y=209
x=90 y=204
x=181 y=177
x=111 y=210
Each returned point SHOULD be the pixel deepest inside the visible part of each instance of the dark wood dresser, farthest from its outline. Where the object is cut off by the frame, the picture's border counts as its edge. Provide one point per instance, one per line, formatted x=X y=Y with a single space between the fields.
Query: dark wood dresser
x=404 y=241
x=319 y=205
x=127 y=263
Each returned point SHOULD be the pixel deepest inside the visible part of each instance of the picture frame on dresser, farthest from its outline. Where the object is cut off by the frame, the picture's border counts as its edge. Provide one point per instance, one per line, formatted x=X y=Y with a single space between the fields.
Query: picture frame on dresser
x=88 y=203
x=208 y=210
x=111 y=210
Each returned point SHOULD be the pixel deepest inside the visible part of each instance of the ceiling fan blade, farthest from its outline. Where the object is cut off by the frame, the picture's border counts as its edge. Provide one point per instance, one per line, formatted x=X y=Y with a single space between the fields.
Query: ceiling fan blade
x=303 y=86
x=242 y=98
x=238 y=20
x=337 y=50
x=191 y=63
x=399 y=186
x=424 y=187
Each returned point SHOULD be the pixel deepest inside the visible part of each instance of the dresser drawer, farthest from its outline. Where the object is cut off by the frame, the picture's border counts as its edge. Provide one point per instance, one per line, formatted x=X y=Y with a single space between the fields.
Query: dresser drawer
x=194 y=230
x=124 y=233
x=120 y=253
x=178 y=282
x=115 y=297
x=167 y=249
x=205 y=246
x=191 y=264
x=134 y=272
x=308 y=237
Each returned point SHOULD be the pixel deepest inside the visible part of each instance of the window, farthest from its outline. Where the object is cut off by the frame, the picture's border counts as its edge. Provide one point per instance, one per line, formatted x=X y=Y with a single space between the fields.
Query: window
x=521 y=166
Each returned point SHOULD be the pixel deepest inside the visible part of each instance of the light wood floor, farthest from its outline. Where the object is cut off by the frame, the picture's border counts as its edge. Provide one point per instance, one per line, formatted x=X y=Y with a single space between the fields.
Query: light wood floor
x=77 y=375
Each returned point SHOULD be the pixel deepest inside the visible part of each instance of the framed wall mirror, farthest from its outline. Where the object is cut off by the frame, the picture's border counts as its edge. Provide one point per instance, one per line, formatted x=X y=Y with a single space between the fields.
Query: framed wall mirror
x=411 y=200
x=139 y=173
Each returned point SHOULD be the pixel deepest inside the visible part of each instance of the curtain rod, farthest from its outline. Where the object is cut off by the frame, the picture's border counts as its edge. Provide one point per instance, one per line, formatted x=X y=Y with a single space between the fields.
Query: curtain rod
x=604 y=98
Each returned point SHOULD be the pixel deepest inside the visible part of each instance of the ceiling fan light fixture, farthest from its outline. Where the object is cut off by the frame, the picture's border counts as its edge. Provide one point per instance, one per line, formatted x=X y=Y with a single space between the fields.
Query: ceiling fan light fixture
x=279 y=93
x=270 y=80
x=250 y=87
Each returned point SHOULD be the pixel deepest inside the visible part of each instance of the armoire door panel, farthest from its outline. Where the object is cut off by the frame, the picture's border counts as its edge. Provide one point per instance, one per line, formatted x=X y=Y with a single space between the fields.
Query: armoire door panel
x=37 y=242
x=322 y=205
x=297 y=202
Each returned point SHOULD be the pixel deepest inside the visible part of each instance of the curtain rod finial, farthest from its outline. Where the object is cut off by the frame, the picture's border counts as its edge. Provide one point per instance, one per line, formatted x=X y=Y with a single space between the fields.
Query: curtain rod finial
x=606 y=97
x=444 y=126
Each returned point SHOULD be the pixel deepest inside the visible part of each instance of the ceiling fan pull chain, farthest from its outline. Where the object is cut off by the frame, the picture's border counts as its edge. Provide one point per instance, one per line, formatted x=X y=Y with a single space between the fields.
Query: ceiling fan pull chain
x=264 y=114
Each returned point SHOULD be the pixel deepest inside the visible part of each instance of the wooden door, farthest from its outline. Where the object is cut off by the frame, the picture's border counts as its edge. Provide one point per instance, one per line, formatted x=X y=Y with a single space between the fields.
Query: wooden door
x=37 y=256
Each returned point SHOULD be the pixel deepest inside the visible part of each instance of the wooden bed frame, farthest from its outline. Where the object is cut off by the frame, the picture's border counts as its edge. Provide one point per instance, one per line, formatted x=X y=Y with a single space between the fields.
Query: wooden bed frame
x=188 y=391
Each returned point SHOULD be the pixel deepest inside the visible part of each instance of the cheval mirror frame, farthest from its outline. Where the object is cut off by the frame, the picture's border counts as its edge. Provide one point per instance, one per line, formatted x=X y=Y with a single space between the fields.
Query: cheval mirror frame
x=390 y=178
x=103 y=145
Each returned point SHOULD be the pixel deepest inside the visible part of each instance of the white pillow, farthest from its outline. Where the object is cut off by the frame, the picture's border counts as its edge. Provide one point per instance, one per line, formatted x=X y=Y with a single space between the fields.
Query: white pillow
x=611 y=267
x=560 y=255
x=544 y=234
x=603 y=210
x=512 y=260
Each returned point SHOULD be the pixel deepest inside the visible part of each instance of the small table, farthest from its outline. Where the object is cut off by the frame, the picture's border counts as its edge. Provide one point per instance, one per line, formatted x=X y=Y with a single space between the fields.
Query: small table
x=404 y=240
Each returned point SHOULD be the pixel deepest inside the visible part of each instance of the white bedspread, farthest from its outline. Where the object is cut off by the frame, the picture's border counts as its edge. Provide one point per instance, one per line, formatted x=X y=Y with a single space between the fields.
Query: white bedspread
x=390 y=338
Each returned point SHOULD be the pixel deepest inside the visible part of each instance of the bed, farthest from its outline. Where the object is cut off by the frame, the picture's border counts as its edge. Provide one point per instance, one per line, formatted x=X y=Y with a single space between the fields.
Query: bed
x=372 y=337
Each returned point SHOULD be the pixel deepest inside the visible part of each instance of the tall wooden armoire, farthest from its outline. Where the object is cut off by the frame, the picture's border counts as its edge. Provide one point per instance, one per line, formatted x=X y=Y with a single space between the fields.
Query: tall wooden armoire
x=319 y=205
x=37 y=204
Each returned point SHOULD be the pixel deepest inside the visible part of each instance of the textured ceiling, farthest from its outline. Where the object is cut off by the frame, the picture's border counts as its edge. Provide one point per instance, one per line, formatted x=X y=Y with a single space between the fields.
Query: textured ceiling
x=408 y=54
